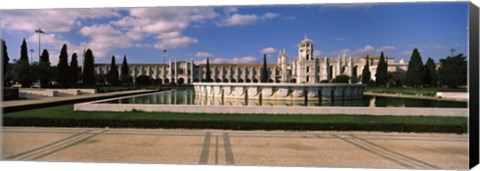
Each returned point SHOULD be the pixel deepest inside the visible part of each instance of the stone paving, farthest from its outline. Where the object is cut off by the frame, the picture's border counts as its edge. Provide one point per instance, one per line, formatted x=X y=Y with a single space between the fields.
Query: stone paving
x=226 y=147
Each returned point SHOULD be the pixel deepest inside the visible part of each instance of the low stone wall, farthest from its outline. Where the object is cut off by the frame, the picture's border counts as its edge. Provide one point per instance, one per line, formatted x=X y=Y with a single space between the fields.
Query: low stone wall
x=42 y=93
x=462 y=96
x=295 y=110
x=280 y=91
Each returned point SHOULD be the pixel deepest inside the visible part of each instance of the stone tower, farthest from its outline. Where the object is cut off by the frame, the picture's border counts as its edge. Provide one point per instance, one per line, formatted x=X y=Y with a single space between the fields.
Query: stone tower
x=282 y=62
x=305 y=50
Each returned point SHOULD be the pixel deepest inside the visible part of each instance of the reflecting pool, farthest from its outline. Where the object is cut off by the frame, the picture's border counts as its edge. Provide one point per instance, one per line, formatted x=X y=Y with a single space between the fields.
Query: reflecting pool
x=187 y=97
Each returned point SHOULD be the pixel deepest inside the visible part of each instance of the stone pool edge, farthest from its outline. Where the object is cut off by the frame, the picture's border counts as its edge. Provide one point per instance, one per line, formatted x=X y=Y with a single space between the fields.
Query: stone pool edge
x=293 y=110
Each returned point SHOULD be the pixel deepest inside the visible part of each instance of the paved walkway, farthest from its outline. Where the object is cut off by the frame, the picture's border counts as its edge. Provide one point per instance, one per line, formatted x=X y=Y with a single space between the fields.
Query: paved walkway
x=224 y=147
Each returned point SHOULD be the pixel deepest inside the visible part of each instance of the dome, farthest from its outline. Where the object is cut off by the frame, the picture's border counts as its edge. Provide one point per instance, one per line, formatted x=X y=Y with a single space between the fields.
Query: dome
x=305 y=42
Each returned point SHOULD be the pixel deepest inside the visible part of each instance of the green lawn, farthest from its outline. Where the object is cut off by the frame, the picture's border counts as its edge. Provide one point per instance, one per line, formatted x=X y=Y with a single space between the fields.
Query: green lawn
x=65 y=116
x=412 y=91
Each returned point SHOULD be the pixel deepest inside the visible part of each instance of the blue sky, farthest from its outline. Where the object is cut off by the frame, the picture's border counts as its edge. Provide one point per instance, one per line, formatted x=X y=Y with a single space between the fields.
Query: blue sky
x=242 y=34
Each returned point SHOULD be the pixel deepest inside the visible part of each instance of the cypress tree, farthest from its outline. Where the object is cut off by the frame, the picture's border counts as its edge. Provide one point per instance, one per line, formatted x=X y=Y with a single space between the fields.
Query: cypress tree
x=125 y=72
x=430 y=77
x=208 y=76
x=88 y=76
x=22 y=68
x=24 y=52
x=415 y=70
x=45 y=74
x=62 y=67
x=264 y=72
x=5 y=63
x=45 y=58
x=366 y=72
x=112 y=76
x=74 y=70
x=382 y=71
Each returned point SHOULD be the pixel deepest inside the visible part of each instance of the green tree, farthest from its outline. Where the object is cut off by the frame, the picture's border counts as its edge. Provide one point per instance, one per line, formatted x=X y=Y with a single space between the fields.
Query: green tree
x=208 y=73
x=366 y=72
x=382 y=71
x=62 y=68
x=264 y=73
x=125 y=76
x=396 y=79
x=88 y=76
x=24 y=52
x=341 y=79
x=453 y=71
x=112 y=76
x=74 y=70
x=430 y=73
x=45 y=74
x=6 y=67
x=21 y=70
x=415 y=69
x=143 y=80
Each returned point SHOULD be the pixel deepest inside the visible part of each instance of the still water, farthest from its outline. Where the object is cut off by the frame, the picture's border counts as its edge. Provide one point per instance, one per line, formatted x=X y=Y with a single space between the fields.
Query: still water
x=187 y=97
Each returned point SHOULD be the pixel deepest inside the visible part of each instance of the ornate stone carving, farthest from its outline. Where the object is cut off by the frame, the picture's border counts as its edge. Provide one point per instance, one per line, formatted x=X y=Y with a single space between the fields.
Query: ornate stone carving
x=252 y=91
x=283 y=92
x=267 y=91
x=227 y=90
x=298 y=92
x=239 y=91
x=217 y=90
x=210 y=90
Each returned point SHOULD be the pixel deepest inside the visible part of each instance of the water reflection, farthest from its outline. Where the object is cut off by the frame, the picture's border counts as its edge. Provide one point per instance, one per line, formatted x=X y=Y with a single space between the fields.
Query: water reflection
x=188 y=97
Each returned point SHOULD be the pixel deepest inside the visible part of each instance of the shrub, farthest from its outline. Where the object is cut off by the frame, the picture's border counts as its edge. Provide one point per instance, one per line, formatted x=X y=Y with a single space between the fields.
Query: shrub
x=341 y=79
x=143 y=80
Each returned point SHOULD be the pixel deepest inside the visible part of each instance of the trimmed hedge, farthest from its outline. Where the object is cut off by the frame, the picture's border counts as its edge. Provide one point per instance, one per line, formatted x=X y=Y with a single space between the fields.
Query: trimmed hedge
x=233 y=125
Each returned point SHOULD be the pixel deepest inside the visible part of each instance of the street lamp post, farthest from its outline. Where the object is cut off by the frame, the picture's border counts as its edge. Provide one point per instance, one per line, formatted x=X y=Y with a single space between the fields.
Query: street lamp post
x=31 y=55
x=40 y=32
x=452 y=50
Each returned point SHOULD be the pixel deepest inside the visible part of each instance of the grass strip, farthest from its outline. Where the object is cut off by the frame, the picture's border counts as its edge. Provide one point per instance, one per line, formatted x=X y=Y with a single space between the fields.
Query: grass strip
x=64 y=116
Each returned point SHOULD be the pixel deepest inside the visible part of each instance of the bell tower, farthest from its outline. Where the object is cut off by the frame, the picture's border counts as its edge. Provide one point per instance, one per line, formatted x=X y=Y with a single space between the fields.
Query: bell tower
x=305 y=50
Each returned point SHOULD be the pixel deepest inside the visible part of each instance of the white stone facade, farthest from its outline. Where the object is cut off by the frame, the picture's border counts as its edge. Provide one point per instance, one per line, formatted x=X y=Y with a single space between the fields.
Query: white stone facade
x=306 y=68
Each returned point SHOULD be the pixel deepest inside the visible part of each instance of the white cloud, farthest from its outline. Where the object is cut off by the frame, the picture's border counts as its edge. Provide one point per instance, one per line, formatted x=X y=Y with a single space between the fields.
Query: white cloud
x=51 y=20
x=203 y=54
x=165 y=24
x=229 y=10
x=406 y=53
x=244 y=60
x=386 y=48
x=269 y=15
x=53 y=43
x=339 y=39
x=269 y=51
x=174 y=42
x=342 y=52
x=245 y=19
x=318 y=53
x=366 y=49
x=103 y=39
x=238 y=19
